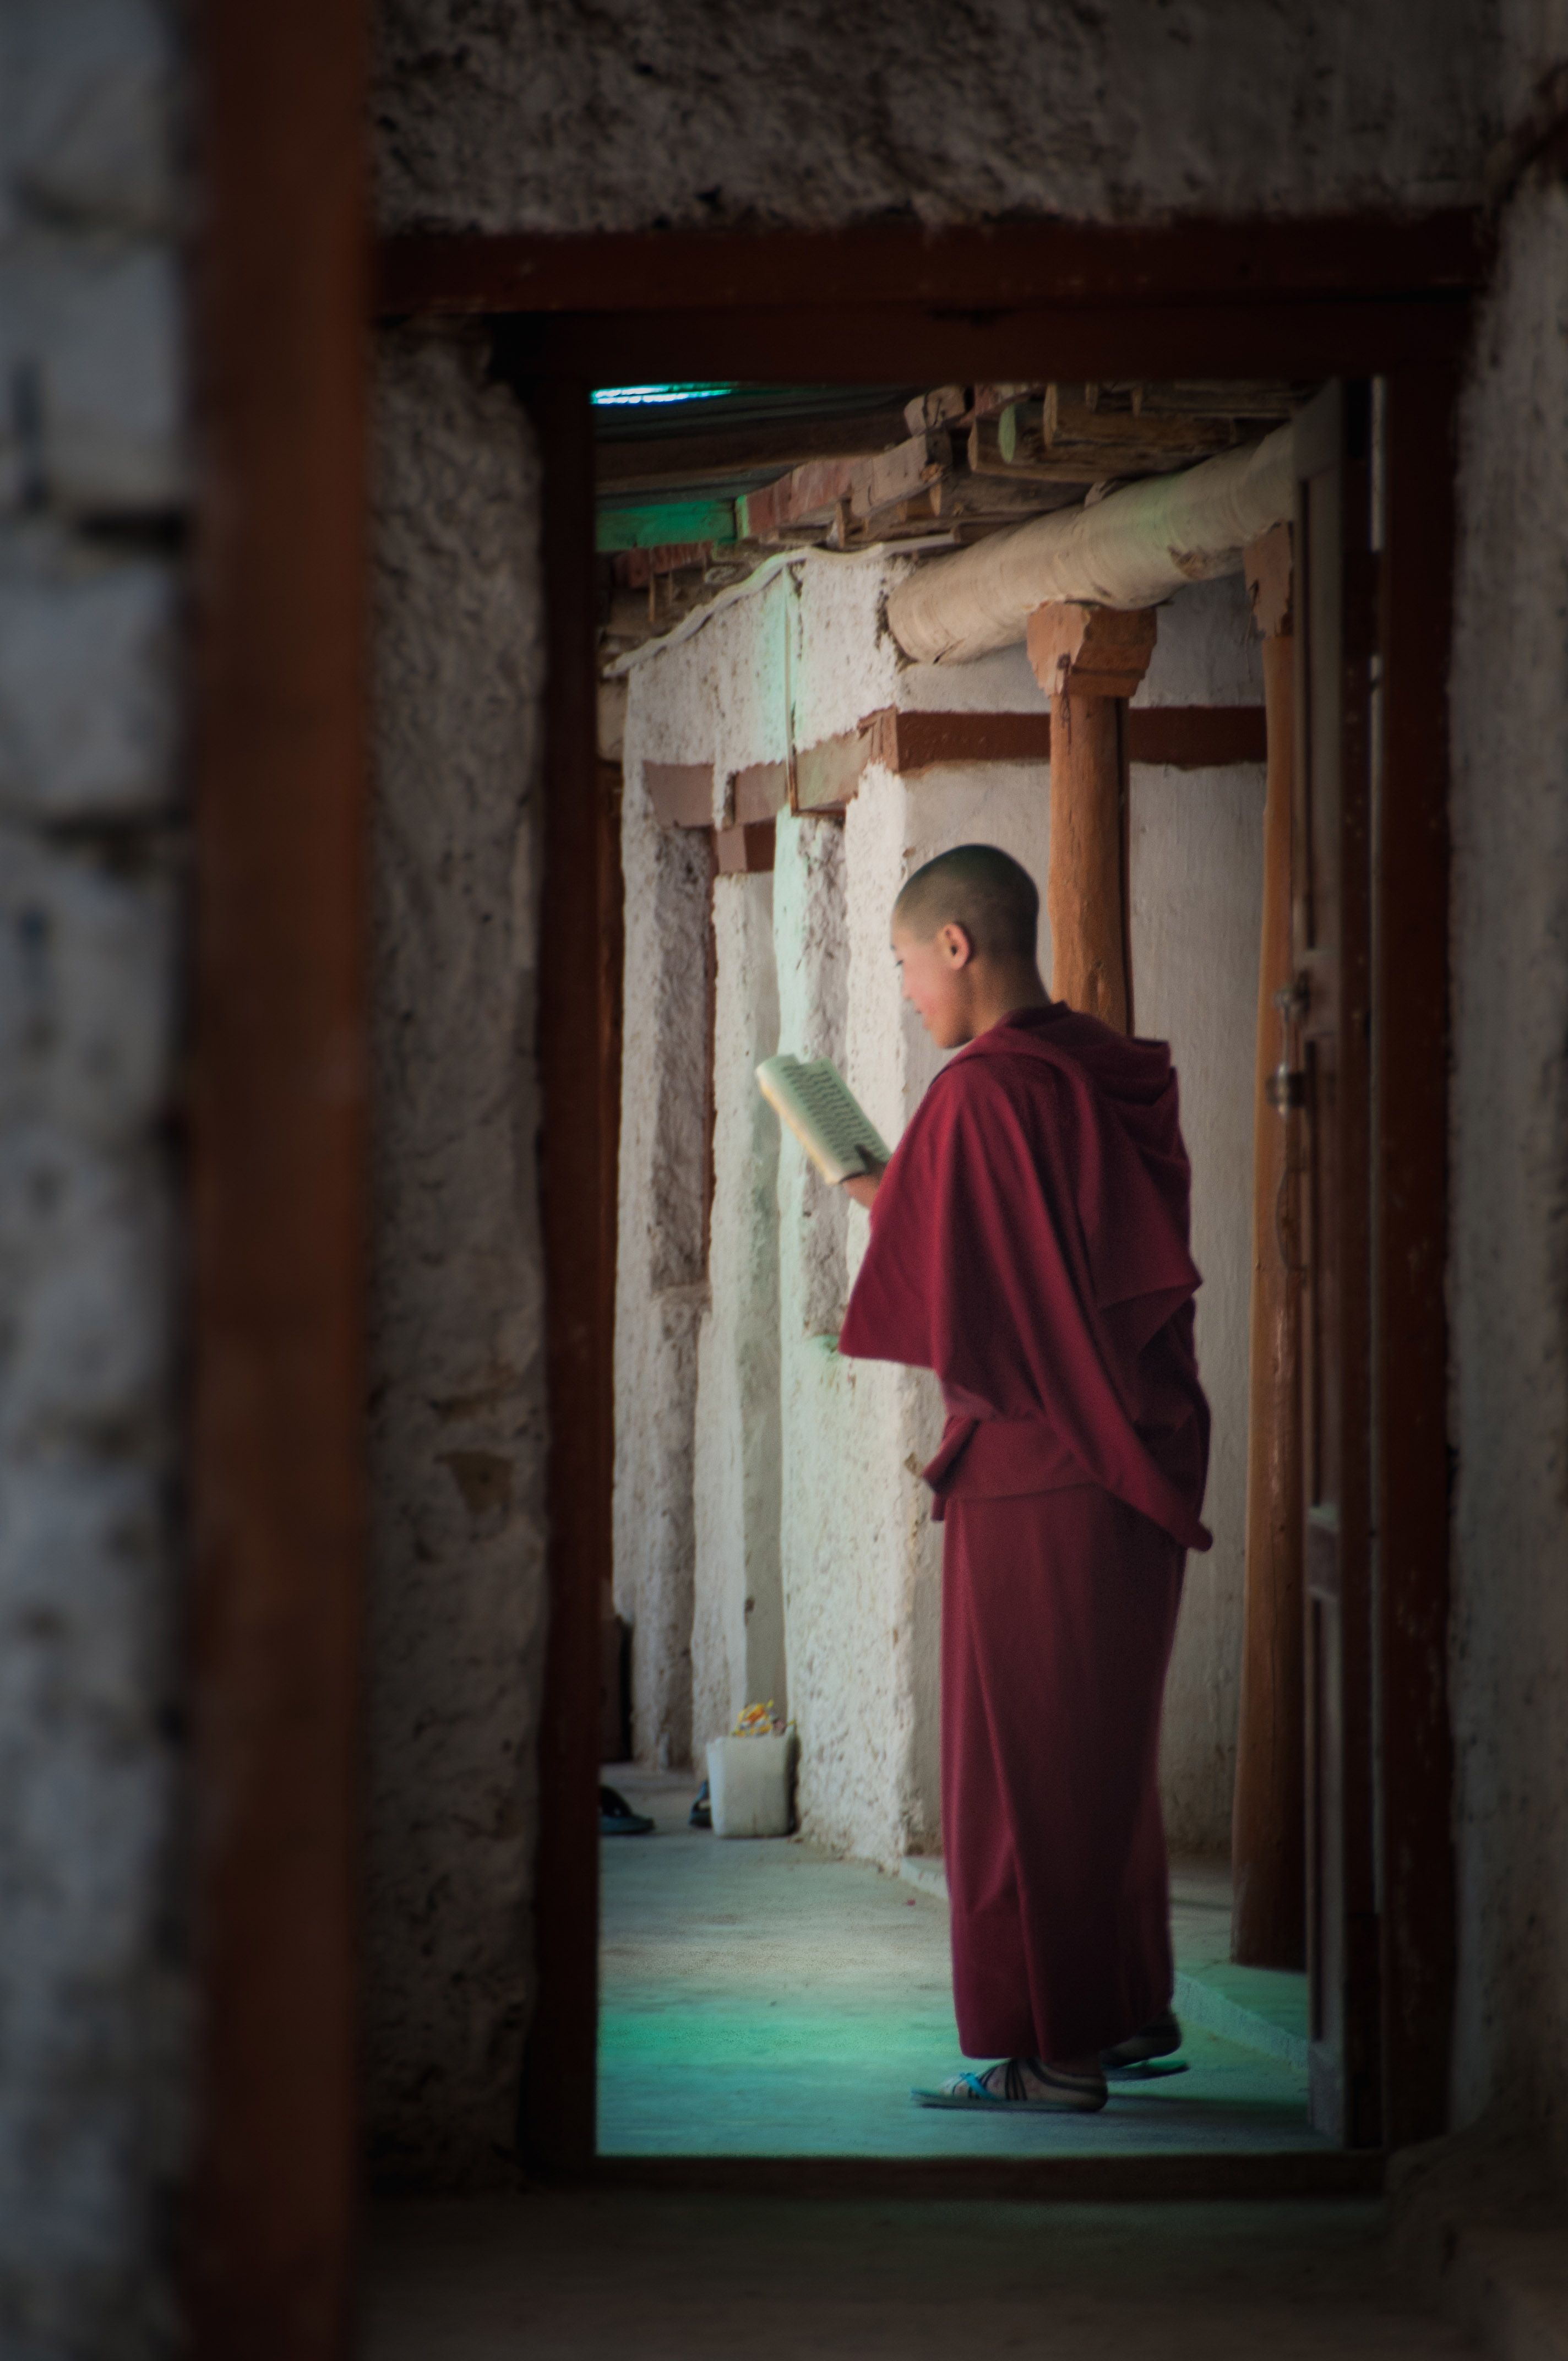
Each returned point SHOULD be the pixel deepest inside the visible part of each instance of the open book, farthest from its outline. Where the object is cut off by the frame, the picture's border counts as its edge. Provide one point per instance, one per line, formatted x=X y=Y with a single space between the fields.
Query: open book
x=811 y=1096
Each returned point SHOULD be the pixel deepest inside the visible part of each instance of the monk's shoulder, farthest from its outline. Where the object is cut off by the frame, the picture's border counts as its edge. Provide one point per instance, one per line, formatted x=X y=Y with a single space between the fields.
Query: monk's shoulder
x=998 y=1088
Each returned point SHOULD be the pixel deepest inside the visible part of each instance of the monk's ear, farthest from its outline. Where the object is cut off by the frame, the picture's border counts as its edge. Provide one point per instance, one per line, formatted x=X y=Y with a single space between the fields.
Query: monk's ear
x=956 y=943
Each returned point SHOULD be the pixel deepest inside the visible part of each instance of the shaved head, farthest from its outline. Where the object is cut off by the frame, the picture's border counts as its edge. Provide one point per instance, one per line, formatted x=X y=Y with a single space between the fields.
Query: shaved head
x=979 y=888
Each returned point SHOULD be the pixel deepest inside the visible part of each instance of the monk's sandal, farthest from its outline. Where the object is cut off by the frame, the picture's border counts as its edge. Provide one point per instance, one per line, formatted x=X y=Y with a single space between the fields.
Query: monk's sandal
x=1146 y=2053
x=1029 y=2087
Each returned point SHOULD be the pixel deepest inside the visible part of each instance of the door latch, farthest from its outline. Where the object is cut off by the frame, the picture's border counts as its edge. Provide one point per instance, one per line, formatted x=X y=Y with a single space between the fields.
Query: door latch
x=1286 y=1085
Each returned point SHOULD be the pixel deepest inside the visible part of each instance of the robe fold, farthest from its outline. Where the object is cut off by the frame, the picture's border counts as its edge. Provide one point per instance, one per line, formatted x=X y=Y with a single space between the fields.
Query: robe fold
x=1029 y=1244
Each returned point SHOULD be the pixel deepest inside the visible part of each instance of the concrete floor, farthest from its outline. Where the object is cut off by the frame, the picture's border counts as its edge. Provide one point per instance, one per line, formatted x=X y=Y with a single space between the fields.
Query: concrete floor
x=763 y=1999
x=646 y=2278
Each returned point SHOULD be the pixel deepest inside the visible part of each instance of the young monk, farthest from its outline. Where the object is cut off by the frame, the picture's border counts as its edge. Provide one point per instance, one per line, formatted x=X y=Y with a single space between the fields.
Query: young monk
x=1029 y=1244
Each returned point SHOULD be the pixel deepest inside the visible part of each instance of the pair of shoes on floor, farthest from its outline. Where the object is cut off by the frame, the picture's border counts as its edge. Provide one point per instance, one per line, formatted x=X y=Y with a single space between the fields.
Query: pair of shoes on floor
x=1031 y=2087
x=701 y=1813
x=617 y=1817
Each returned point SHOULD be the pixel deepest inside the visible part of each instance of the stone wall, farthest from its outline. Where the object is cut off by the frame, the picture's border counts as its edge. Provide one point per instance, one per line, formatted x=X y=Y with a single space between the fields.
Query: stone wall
x=547 y=116
x=92 y=859
x=457 y=1595
x=1509 y=1211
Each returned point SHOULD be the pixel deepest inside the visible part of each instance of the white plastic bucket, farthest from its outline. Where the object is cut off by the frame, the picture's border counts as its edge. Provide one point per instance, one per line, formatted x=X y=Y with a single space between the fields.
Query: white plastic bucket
x=748 y=1785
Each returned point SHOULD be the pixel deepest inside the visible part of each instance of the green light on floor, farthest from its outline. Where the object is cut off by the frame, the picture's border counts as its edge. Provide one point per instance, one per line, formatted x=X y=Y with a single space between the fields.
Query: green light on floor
x=628 y=397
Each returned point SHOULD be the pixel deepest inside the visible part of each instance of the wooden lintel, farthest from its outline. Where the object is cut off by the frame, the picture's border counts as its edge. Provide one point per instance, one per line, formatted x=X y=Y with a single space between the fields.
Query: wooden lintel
x=1356 y=256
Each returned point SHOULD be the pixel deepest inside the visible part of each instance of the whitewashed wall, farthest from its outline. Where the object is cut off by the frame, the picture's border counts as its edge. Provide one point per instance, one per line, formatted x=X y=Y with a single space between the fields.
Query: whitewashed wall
x=858 y=1560
x=737 y=1636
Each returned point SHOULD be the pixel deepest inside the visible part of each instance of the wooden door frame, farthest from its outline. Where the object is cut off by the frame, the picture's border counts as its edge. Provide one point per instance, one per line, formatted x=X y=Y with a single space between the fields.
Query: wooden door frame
x=281 y=862
x=1303 y=301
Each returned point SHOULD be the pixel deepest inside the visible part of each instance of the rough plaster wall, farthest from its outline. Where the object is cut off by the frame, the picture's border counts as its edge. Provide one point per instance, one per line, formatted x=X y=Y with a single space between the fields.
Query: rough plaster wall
x=92 y=464
x=1197 y=901
x=737 y=1634
x=1509 y=1210
x=850 y=1512
x=457 y=1598
x=1197 y=905
x=551 y=115
x=661 y=1278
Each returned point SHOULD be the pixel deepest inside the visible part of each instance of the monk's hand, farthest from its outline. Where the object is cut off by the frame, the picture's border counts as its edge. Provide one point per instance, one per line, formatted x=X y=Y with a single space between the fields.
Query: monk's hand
x=862 y=1186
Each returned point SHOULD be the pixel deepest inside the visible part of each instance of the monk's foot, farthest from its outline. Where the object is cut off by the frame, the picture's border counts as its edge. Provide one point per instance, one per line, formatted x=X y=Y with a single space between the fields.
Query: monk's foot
x=1028 y=2085
x=1159 y=2038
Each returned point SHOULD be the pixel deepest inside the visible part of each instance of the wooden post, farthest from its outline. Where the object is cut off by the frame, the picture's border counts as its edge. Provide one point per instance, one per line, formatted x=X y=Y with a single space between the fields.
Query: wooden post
x=1089 y=660
x=1268 y=1825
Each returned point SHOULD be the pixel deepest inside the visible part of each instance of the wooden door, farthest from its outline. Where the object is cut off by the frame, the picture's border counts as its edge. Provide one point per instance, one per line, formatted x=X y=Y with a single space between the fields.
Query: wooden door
x=1336 y=644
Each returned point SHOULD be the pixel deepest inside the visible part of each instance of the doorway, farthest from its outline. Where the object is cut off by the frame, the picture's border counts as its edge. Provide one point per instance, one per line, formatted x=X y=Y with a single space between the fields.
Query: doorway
x=1379 y=298
x=683 y=1666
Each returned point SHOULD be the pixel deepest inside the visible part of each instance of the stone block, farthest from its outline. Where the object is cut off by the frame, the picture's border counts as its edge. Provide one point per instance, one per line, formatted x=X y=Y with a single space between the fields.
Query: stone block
x=86 y=983
x=87 y=682
x=86 y=136
x=90 y=343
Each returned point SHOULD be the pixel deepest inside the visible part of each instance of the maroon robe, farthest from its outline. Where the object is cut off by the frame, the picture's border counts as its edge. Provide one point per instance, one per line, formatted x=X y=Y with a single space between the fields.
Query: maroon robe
x=1029 y=1244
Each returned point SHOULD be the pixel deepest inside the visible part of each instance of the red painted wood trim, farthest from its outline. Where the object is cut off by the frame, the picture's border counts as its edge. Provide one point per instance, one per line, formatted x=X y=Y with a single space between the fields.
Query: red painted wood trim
x=1181 y=737
x=557 y=2121
x=745 y=850
x=909 y=742
x=761 y=790
x=1021 y=264
x=279 y=1190
x=1196 y=737
x=680 y=793
x=1411 y=996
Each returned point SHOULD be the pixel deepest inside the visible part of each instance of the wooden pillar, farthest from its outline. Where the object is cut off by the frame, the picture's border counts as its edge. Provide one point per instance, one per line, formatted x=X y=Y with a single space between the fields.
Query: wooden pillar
x=1089 y=660
x=1268 y=1824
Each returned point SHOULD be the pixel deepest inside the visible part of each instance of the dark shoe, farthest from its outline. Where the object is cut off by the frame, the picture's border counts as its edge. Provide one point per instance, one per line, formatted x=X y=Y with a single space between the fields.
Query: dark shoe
x=1138 y=2056
x=617 y=1817
x=701 y=1813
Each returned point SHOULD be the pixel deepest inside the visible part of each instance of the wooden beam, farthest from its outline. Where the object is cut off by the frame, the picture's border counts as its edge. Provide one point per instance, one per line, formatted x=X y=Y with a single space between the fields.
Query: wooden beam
x=1090 y=659
x=559 y=2063
x=652 y=460
x=1412 y=1005
x=1086 y=879
x=869 y=342
x=280 y=1177
x=1268 y=1921
x=1081 y=651
x=1239 y=264
x=662 y=522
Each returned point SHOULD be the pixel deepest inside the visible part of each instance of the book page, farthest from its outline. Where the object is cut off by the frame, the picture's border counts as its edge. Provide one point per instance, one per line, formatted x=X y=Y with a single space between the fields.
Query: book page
x=814 y=1099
